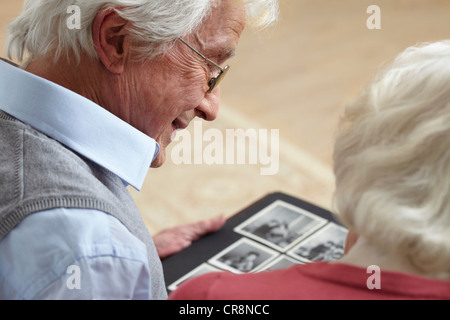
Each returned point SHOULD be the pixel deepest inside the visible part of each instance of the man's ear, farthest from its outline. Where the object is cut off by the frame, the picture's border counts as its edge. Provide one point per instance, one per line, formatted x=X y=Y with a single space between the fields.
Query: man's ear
x=111 y=40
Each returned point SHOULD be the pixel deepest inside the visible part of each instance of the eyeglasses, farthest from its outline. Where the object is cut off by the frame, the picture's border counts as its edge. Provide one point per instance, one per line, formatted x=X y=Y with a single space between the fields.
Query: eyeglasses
x=214 y=81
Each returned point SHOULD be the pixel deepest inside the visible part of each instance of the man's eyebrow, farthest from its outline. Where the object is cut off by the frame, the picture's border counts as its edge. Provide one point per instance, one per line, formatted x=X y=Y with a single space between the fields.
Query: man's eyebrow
x=227 y=54
x=232 y=53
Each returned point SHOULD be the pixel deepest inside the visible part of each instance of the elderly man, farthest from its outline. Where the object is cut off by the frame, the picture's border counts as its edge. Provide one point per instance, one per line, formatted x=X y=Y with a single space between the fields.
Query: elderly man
x=86 y=115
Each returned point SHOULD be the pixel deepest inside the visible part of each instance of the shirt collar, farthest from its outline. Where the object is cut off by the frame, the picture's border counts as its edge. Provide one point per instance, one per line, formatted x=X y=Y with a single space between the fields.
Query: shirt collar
x=78 y=123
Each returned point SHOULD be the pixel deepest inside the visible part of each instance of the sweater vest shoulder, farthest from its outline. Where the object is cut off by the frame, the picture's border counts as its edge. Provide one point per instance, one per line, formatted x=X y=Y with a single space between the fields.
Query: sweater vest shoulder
x=38 y=173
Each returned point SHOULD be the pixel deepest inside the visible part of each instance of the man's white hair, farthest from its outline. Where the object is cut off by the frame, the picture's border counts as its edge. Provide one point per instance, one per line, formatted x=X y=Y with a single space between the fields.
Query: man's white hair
x=392 y=159
x=42 y=26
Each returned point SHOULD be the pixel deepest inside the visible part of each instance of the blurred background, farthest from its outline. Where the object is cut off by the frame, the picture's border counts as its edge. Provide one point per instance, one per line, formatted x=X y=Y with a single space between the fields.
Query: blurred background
x=296 y=78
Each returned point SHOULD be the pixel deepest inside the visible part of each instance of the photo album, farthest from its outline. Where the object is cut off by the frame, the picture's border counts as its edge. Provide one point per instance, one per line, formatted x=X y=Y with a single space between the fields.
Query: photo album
x=275 y=232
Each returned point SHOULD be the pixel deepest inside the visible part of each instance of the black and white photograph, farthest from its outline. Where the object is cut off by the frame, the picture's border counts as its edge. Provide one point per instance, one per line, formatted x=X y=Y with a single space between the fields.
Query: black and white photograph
x=326 y=244
x=280 y=225
x=243 y=256
x=282 y=262
x=201 y=269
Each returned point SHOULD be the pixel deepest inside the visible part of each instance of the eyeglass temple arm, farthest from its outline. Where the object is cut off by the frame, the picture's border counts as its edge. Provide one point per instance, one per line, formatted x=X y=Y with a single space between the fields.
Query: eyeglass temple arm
x=201 y=55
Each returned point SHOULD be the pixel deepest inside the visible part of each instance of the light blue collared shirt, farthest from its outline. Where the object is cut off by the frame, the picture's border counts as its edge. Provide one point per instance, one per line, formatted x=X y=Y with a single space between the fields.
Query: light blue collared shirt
x=112 y=263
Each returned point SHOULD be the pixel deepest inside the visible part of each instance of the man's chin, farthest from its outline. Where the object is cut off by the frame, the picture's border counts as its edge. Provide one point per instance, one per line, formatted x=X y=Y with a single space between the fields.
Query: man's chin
x=160 y=159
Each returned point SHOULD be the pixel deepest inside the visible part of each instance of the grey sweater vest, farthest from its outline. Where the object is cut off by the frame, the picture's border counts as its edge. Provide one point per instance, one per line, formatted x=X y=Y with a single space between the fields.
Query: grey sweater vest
x=38 y=173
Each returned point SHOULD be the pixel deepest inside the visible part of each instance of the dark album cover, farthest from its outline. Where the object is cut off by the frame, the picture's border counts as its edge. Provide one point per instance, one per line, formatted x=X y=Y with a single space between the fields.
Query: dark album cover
x=275 y=232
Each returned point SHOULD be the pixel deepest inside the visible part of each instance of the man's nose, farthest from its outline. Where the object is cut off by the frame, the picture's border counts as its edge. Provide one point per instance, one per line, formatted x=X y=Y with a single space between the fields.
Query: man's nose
x=208 y=109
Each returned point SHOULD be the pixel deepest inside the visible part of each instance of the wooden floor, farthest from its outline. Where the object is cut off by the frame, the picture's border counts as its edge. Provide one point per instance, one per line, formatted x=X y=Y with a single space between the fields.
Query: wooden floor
x=295 y=78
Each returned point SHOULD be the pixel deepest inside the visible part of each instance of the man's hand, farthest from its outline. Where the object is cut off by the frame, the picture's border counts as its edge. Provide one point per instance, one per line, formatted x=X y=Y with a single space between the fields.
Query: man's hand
x=173 y=240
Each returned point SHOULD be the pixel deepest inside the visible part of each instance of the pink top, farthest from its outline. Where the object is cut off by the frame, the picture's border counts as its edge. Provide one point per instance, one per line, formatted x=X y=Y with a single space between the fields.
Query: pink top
x=314 y=281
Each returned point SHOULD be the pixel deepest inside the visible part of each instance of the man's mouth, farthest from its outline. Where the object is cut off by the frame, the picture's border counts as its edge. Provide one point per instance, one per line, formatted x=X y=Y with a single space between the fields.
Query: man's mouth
x=177 y=125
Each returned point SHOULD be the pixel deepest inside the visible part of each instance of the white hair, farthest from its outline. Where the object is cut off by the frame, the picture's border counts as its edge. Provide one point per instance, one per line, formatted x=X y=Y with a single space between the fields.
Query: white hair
x=42 y=26
x=392 y=159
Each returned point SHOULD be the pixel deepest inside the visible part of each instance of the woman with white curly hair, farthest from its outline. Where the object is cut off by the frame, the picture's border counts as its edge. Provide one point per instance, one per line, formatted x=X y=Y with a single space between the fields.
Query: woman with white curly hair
x=101 y=89
x=392 y=167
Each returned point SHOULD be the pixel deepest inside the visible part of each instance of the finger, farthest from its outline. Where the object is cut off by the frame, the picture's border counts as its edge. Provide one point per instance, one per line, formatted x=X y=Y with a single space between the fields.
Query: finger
x=207 y=226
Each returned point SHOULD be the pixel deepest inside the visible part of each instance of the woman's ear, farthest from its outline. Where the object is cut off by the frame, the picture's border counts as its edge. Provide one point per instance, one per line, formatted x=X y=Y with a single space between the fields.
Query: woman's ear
x=111 y=40
x=350 y=241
